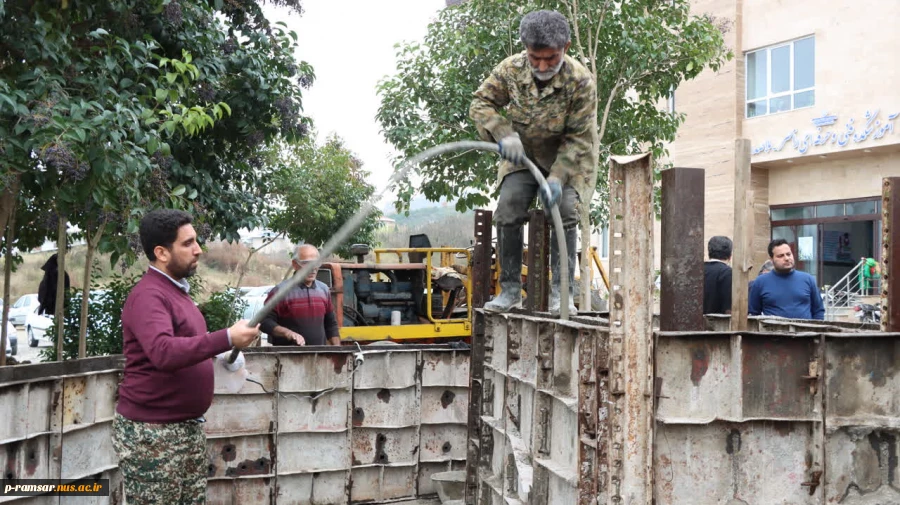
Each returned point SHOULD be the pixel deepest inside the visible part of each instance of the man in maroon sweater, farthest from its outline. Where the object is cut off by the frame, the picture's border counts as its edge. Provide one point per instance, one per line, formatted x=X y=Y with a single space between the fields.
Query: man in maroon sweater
x=168 y=379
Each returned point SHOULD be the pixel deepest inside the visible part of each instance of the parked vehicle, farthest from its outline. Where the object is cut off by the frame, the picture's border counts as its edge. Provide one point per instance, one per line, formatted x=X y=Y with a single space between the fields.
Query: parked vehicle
x=868 y=313
x=255 y=298
x=26 y=304
x=36 y=325
x=12 y=345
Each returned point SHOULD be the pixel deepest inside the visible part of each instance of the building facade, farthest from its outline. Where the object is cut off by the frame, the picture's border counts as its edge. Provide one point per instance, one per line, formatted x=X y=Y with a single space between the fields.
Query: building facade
x=814 y=86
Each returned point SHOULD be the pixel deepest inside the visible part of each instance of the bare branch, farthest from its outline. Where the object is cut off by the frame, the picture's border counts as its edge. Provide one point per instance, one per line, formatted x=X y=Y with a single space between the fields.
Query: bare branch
x=609 y=101
x=596 y=42
x=572 y=9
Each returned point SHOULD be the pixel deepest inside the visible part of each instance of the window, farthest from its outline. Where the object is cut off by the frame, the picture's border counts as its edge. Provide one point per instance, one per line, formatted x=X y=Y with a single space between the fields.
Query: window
x=781 y=78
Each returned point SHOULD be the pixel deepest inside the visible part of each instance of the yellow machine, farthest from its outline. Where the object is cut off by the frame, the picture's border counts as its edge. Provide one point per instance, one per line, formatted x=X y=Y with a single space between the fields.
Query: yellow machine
x=407 y=301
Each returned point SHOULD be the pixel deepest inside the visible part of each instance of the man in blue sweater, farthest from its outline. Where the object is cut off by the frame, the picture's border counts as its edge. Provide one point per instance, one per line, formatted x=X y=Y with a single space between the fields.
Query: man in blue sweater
x=785 y=292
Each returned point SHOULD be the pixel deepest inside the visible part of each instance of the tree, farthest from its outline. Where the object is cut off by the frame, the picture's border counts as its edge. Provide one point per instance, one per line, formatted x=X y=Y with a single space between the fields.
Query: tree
x=111 y=108
x=638 y=51
x=318 y=188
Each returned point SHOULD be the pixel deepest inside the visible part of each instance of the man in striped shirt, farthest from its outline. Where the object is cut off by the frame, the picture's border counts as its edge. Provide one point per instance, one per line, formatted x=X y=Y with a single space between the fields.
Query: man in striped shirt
x=306 y=315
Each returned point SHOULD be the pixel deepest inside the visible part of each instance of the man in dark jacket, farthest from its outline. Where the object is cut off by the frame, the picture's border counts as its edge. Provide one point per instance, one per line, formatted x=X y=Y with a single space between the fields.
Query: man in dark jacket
x=717 y=277
x=47 y=289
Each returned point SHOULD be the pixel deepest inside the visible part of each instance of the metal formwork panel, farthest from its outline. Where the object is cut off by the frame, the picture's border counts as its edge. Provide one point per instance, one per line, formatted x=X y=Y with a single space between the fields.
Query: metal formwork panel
x=330 y=412
x=442 y=405
x=238 y=491
x=312 y=371
x=388 y=370
x=231 y=415
x=239 y=456
x=321 y=488
x=382 y=483
x=378 y=446
x=445 y=369
x=757 y=462
x=313 y=452
x=442 y=443
x=386 y=408
x=88 y=451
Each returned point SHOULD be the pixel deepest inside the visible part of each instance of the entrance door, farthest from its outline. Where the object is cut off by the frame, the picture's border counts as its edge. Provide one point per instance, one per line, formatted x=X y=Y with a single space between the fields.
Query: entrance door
x=829 y=238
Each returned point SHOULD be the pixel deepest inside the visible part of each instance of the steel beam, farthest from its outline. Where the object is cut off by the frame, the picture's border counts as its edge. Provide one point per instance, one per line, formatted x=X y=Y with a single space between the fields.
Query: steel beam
x=681 y=288
x=890 y=261
x=481 y=259
x=631 y=317
x=538 y=285
x=743 y=236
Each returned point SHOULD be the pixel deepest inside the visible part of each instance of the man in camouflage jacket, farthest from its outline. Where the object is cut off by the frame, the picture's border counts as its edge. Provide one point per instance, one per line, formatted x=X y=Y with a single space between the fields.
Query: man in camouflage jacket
x=551 y=108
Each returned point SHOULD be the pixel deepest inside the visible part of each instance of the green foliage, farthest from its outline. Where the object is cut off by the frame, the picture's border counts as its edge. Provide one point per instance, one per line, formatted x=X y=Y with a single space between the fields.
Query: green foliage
x=104 y=329
x=318 y=189
x=638 y=51
x=113 y=107
x=222 y=309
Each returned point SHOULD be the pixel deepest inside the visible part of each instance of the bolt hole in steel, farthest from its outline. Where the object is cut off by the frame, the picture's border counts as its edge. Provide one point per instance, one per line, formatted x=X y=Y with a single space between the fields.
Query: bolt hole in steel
x=446 y=447
x=31 y=456
x=9 y=476
x=381 y=438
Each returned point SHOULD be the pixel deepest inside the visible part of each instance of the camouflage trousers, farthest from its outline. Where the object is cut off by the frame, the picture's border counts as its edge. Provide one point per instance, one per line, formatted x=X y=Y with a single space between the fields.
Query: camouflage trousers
x=161 y=463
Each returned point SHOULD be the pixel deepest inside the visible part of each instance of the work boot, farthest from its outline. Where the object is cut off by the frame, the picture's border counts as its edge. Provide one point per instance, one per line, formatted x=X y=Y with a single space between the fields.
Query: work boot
x=510 y=243
x=571 y=236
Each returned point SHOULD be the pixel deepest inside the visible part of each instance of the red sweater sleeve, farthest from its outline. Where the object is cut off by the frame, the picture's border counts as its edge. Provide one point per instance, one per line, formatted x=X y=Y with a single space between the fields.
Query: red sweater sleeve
x=153 y=331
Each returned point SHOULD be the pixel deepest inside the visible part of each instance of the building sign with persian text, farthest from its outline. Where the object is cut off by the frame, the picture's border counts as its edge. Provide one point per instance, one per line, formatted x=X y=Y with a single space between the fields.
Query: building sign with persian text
x=828 y=132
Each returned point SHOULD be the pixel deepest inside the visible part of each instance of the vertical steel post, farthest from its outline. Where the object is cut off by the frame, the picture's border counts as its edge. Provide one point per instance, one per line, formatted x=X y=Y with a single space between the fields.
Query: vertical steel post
x=743 y=236
x=631 y=330
x=890 y=261
x=538 y=284
x=681 y=287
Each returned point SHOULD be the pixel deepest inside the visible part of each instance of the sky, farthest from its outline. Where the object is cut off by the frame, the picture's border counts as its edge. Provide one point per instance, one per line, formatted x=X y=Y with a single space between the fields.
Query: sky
x=350 y=44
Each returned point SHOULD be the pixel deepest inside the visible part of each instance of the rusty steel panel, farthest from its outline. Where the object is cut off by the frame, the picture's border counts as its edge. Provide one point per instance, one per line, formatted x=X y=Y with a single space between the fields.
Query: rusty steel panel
x=700 y=379
x=26 y=459
x=474 y=429
x=440 y=443
x=382 y=446
x=313 y=452
x=493 y=394
x=239 y=491
x=89 y=398
x=775 y=376
x=306 y=372
x=681 y=285
x=441 y=405
x=862 y=466
x=382 y=483
x=521 y=345
x=750 y=463
x=231 y=415
x=631 y=327
x=519 y=414
x=322 y=488
x=863 y=381
x=565 y=362
x=426 y=470
x=88 y=451
x=890 y=262
x=496 y=342
x=390 y=369
x=538 y=282
x=330 y=412
x=386 y=408
x=445 y=369
x=240 y=456
x=261 y=367
x=481 y=258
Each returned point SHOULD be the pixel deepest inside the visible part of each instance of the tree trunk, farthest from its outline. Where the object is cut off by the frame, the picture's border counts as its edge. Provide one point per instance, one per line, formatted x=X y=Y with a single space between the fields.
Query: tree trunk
x=92 y=243
x=7 y=277
x=59 y=315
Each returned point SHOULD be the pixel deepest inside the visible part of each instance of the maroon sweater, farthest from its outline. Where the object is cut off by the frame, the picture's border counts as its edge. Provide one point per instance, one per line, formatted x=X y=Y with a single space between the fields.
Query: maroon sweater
x=168 y=370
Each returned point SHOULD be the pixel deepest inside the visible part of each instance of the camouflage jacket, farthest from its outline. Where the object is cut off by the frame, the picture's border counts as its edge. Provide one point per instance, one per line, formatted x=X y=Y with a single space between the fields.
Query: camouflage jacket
x=555 y=123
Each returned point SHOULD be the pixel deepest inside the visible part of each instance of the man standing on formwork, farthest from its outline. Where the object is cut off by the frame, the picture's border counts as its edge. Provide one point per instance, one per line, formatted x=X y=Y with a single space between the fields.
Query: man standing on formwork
x=551 y=107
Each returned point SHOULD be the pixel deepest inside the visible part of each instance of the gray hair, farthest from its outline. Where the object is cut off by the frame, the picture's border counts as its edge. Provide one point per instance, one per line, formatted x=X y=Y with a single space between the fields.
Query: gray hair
x=541 y=29
x=719 y=248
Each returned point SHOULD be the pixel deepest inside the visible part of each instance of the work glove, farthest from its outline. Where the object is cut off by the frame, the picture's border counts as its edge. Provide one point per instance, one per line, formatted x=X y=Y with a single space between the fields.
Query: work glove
x=231 y=367
x=550 y=194
x=512 y=150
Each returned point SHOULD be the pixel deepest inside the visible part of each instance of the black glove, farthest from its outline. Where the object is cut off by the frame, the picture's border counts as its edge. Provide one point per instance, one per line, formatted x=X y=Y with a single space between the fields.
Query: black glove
x=512 y=150
x=550 y=195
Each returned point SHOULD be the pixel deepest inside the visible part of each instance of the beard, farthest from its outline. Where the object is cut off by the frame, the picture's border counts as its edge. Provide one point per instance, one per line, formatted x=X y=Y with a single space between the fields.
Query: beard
x=549 y=74
x=183 y=271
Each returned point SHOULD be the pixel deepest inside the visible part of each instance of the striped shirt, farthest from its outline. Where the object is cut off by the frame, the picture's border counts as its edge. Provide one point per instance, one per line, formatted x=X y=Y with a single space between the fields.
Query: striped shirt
x=306 y=310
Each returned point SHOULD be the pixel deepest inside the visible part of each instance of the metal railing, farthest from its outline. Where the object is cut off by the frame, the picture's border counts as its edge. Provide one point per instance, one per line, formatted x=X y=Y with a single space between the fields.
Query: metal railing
x=847 y=292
